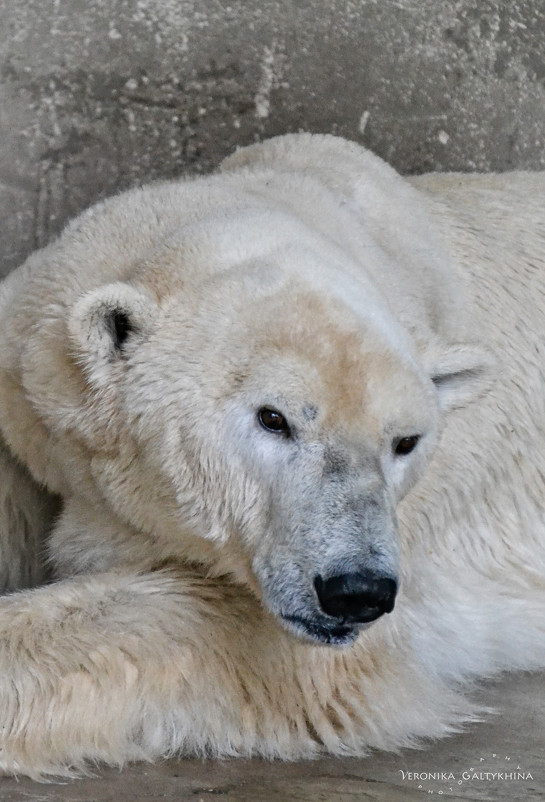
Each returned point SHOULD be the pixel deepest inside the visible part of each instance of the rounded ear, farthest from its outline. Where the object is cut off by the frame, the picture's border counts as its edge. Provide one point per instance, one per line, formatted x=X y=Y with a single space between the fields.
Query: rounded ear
x=103 y=321
x=461 y=374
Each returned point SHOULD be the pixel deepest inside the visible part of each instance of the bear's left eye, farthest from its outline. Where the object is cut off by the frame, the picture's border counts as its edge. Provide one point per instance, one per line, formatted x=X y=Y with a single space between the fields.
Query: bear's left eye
x=405 y=445
x=273 y=421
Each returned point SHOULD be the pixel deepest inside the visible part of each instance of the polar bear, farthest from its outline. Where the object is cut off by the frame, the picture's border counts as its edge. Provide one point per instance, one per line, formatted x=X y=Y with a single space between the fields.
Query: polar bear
x=294 y=413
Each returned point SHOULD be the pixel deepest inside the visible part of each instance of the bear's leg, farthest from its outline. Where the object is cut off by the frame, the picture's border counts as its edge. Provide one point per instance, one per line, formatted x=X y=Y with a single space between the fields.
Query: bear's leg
x=26 y=516
x=119 y=667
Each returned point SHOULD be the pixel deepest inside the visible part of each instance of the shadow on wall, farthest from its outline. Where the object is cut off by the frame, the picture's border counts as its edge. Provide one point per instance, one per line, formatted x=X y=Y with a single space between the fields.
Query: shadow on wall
x=98 y=97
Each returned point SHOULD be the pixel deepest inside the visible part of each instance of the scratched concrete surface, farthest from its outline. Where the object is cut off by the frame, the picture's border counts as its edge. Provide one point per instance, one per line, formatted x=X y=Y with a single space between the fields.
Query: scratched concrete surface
x=100 y=95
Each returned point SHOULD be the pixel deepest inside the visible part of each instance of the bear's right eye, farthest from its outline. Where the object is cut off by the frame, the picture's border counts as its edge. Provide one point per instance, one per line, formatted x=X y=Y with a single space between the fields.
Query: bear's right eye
x=405 y=445
x=273 y=421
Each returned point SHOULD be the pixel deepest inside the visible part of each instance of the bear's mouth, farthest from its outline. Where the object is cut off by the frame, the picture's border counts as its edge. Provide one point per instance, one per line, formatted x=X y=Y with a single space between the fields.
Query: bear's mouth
x=335 y=634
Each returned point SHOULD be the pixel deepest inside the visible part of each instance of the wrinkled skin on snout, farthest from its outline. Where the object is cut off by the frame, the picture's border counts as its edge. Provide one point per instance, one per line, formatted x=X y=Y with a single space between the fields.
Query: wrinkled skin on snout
x=332 y=527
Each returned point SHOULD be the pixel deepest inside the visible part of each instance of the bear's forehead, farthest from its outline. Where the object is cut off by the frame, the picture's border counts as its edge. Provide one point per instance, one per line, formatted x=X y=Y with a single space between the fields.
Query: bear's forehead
x=333 y=358
x=349 y=374
x=294 y=344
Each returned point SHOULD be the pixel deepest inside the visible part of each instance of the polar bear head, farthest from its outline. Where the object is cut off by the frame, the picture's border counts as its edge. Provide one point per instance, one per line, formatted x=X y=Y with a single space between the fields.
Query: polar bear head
x=263 y=410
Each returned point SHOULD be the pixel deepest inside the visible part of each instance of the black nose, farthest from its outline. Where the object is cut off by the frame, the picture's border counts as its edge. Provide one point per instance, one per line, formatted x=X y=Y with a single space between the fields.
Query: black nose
x=357 y=597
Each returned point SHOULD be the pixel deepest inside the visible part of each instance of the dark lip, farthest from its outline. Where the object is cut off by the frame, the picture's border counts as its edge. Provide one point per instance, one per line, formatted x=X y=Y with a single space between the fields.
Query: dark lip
x=331 y=635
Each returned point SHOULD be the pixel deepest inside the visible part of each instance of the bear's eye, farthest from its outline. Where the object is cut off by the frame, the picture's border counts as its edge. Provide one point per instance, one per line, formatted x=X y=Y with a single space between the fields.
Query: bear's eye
x=273 y=421
x=405 y=445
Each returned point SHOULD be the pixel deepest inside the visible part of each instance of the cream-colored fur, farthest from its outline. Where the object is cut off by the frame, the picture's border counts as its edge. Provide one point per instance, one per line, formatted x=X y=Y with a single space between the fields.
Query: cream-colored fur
x=135 y=354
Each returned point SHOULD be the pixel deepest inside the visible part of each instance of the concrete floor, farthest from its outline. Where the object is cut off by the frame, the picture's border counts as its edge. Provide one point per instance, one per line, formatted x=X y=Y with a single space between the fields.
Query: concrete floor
x=99 y=95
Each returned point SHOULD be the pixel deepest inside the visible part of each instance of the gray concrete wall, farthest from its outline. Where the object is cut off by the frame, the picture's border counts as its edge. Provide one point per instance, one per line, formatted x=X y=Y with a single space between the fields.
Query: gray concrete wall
x=98 y=95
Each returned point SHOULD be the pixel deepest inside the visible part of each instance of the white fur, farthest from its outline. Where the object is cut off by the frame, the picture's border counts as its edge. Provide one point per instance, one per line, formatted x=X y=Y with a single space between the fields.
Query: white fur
x=308 y=277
